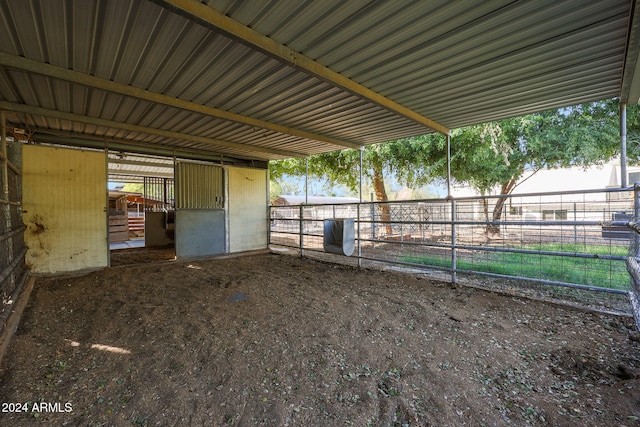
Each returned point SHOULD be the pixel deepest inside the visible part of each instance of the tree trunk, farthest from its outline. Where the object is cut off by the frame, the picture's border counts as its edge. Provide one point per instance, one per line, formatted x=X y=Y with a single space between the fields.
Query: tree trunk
x=485 y=209
x=381 y=196
x=505 y=189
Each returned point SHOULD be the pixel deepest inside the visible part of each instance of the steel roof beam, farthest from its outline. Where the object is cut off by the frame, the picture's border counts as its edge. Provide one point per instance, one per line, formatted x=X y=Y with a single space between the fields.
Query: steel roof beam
x=39 y=111
x=24 y=64
x=163 y=165
x=205 y=15
x=114 y=145
x=630 y=87
x=140 y=173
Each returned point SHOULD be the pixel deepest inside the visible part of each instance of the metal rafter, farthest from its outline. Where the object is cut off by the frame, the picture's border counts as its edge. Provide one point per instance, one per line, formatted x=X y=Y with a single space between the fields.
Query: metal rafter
x=205 y=15
x=114 y=145
x=630 y=90
x=140 y=173
x=39 y=111
x=24 y=64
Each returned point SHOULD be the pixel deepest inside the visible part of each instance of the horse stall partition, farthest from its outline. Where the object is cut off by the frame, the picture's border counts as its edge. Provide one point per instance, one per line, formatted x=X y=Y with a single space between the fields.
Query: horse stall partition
x=200 y=216
x=159 y=211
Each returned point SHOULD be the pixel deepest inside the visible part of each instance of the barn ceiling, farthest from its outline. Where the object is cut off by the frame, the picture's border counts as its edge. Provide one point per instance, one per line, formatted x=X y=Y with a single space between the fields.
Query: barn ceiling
x=273 y=79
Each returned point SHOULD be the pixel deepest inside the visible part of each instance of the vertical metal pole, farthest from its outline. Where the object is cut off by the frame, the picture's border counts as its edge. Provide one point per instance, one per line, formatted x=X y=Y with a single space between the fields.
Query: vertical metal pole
x=635 y=248
x=301 y=230
x=164 y=194
x=269 y=208
x=454 y=278
x=359 y=247
x=636 y=217
x=5 y=165
x=5 y=172
x=575 y=226
x=360 y=180
x=144 y=197
x=373 y=219
x=623 y=145
x=448 y=165
x=5 y=159
x=358 y=208
x=6 y=208
x=306 y=182
x=401 y=223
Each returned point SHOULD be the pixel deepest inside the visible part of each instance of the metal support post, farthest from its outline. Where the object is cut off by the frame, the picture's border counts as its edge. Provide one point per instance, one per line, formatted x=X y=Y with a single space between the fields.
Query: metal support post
x=360 y=179
x=575 y=227
x=359 y=247
x=300 y=217
x=634 y=294
x=6 y=203
x=306 y=181
x=623 y=145
x=636 y=217
x=454 y=260
x=448 y=165
x=360 y=201
x=373 y=219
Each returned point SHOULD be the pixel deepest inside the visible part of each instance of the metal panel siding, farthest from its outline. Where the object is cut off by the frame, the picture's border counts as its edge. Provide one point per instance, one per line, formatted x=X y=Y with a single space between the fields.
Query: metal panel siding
x=247 y=209
x=64 y=196
x=199 y=186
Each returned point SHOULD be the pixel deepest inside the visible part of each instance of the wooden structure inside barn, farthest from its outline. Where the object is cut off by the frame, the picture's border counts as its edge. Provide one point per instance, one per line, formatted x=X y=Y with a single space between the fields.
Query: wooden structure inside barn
x=118 y=217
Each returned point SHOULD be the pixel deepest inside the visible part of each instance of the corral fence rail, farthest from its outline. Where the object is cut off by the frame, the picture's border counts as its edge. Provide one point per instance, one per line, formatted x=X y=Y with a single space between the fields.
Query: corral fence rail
x=13 y=271
x=633 y=260
x=562 y=246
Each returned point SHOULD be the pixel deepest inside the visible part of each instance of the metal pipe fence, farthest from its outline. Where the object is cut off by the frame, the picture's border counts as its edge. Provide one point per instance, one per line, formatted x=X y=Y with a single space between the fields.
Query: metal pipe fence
x=13 y=271
x=633 y=260
x=567 y=246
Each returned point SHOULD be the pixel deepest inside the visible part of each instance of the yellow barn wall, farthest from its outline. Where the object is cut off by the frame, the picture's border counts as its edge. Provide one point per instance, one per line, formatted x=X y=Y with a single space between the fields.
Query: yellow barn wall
x=247 y=209
x=64 y=204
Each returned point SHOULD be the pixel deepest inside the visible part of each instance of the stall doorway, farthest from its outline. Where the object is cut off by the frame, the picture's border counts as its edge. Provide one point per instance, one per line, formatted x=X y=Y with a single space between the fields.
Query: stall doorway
x=141 y=210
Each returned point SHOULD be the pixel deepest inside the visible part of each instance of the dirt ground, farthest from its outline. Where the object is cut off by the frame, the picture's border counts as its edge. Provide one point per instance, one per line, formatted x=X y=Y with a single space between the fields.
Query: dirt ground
x=283 y=341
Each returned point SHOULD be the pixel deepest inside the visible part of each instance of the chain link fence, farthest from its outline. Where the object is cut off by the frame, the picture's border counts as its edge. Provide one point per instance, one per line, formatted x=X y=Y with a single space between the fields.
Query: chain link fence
x=562 y=246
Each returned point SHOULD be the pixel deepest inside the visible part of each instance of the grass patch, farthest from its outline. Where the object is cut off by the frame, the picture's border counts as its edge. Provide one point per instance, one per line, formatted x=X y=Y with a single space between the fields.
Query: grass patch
x=582 y=271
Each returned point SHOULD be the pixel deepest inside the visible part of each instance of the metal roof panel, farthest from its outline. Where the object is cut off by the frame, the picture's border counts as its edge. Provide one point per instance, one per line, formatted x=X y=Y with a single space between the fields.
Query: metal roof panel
x=458 y=63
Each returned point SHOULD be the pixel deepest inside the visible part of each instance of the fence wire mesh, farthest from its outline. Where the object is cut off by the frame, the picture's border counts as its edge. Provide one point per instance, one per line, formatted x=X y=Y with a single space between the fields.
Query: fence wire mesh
x=555 y=246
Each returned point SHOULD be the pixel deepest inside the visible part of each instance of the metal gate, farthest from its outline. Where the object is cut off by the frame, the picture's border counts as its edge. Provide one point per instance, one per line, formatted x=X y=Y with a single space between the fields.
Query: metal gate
x=200 y=215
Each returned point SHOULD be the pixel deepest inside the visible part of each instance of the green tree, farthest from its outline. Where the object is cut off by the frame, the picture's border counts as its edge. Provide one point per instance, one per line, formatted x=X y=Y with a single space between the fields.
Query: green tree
x=131 y=187
x=493 y=157
x=490 y=157
x=342 y=167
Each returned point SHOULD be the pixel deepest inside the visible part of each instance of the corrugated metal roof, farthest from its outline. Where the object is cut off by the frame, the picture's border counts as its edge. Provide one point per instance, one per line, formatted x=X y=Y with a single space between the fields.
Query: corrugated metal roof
x=455 y=63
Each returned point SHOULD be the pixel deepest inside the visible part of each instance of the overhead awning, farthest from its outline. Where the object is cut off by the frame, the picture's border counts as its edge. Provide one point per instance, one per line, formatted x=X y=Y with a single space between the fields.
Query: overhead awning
x=273 y=79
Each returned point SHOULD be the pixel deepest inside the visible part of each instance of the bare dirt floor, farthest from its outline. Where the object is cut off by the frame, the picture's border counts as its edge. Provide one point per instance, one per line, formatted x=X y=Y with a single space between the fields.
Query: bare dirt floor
x=278 y=340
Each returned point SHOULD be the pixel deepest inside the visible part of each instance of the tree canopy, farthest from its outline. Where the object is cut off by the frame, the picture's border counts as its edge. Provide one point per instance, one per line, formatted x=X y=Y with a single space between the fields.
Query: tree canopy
x=489 y=157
